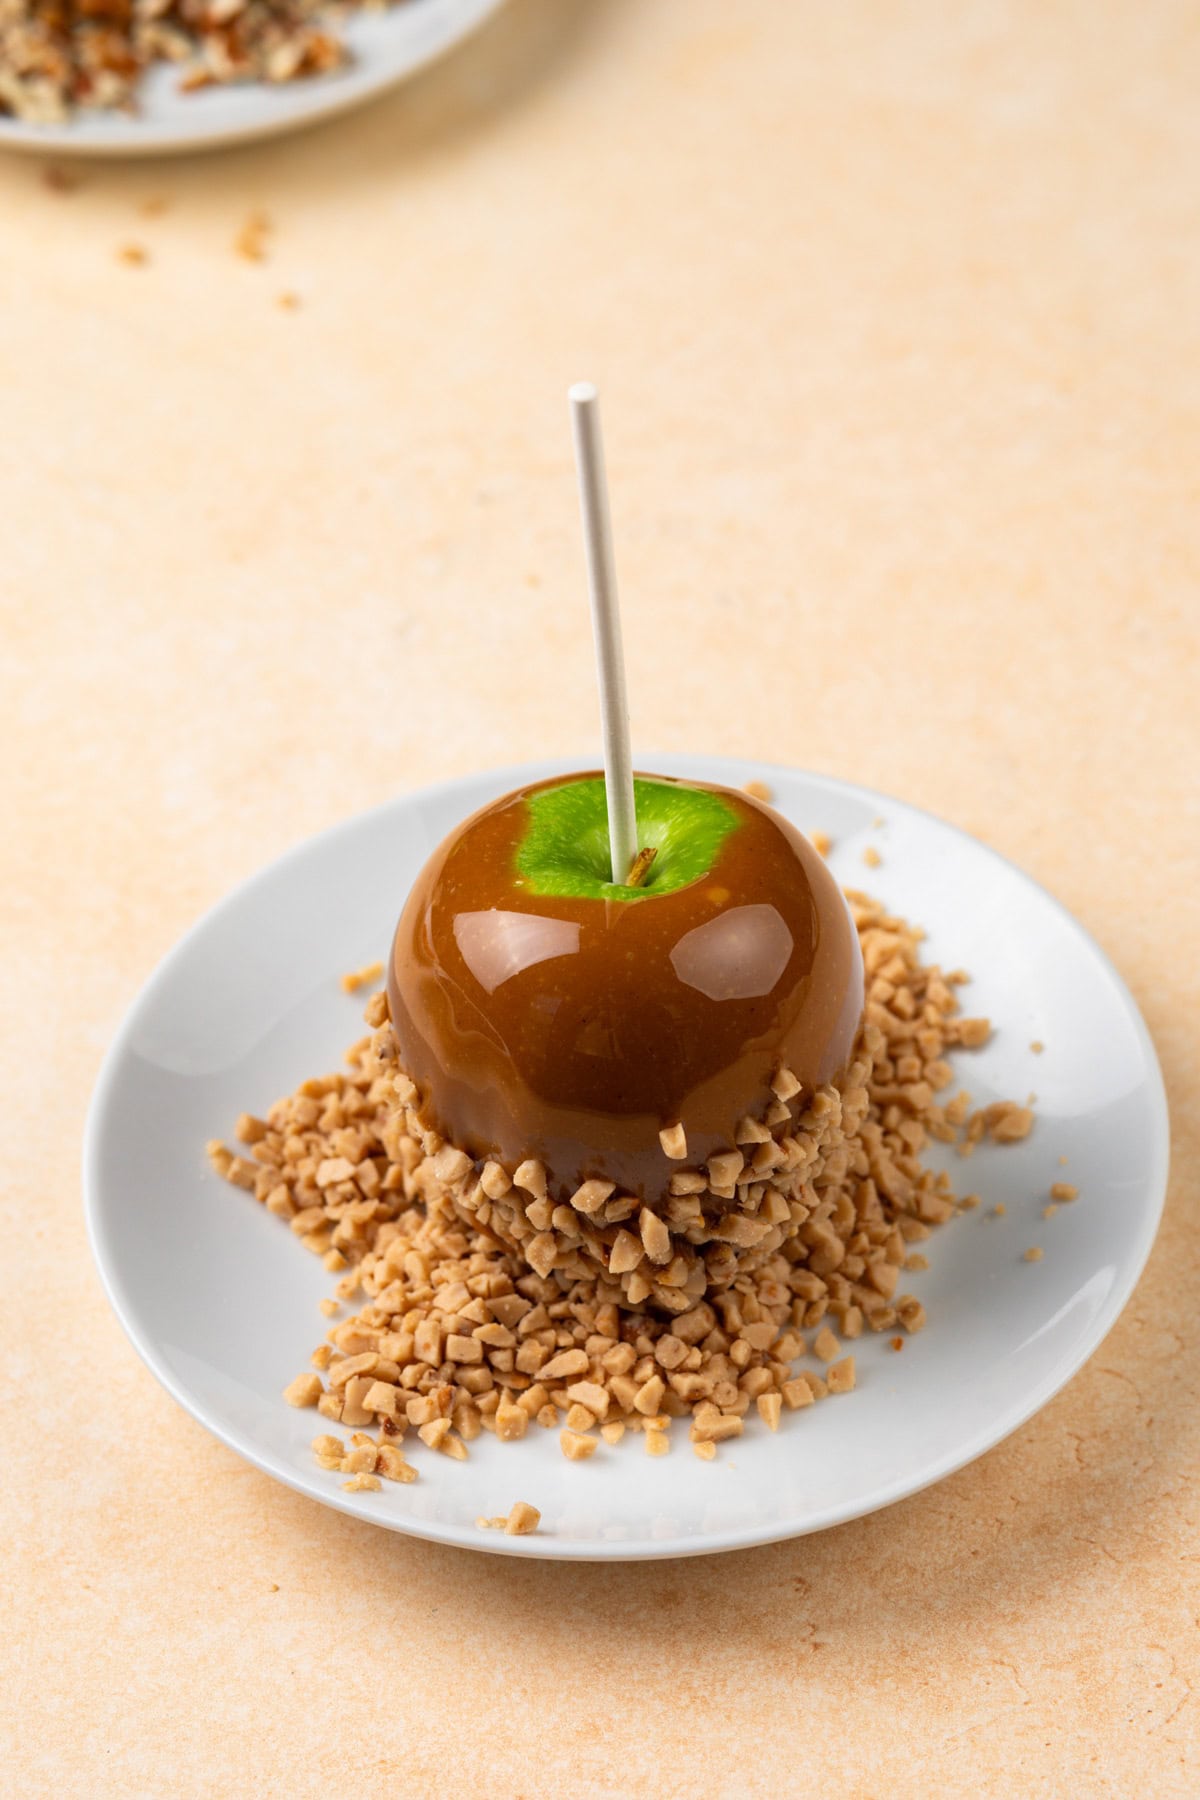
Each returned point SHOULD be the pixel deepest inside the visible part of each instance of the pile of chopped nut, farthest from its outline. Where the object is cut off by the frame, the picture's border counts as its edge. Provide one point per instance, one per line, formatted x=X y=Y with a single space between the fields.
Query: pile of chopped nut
x=58 y=56
x=465 y=1324
x=716 y=1221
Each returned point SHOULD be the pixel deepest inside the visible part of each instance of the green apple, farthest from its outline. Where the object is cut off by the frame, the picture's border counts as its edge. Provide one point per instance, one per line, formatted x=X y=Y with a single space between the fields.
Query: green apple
x=565 y=851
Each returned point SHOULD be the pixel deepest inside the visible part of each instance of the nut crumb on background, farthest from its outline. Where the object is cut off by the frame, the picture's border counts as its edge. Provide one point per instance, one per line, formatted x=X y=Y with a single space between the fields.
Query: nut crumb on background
x=1063 y=1190
x=133 y=256
x=1033 y=1254
x=758 y=790
x=251 y=240
x=872 y=857
x=60 y=180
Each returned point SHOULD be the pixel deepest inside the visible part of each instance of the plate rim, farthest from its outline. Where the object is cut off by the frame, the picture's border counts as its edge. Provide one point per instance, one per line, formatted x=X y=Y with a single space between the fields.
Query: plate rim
x=689 y=766
x=315 y=102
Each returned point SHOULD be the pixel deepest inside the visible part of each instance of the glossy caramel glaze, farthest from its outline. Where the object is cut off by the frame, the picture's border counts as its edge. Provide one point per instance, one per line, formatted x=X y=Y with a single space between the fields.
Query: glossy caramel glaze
x=574 y=1030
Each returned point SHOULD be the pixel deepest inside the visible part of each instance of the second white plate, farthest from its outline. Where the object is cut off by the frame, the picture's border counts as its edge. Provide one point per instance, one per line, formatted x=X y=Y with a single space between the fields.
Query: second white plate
x=385 y=47
x=221 y=1301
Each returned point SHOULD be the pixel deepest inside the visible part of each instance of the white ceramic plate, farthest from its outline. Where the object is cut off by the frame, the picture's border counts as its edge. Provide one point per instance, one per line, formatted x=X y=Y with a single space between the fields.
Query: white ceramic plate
x=221 y=1301
x=386 y=47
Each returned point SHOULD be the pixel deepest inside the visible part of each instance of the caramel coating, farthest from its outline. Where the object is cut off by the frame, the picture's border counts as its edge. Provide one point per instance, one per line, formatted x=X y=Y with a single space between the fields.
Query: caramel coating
x=575 y=1030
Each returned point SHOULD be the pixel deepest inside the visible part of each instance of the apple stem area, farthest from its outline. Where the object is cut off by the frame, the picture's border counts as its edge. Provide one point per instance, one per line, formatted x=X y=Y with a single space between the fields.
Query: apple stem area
x=640 y=867
x=566 y=846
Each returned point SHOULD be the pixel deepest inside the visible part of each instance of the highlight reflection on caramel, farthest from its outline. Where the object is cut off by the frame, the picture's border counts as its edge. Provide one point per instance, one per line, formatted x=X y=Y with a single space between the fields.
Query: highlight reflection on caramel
x=574 y=1030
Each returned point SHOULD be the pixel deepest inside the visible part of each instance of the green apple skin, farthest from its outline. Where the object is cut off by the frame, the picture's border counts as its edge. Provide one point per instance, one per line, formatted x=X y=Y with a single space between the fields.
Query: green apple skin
x=565 y=853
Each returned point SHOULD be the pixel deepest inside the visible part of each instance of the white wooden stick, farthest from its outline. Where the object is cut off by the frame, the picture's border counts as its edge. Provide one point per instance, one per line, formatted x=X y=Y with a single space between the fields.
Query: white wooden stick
x=606 y=628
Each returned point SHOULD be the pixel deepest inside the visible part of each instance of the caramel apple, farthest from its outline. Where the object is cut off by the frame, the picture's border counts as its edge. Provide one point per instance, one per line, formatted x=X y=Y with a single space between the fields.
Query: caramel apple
x=642 y=1077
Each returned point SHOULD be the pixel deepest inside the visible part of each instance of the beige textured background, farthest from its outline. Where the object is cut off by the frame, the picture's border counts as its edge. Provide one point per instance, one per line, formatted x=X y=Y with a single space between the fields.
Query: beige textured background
x=894 y=306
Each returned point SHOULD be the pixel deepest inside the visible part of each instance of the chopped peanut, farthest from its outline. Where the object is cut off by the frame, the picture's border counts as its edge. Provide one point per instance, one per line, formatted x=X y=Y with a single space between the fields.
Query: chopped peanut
x=840 y=1376
x=590 y=1395
x=306 y=1390
x=626 y=1253
x=359 y=978
x=656 y=1239
x=648 y=1398
x=784 y=1084
x=567 y=1362
x=726 y=1425
x=673 y=1139
x=589 y=1198
x=391 y=1463
x=769 y=1408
